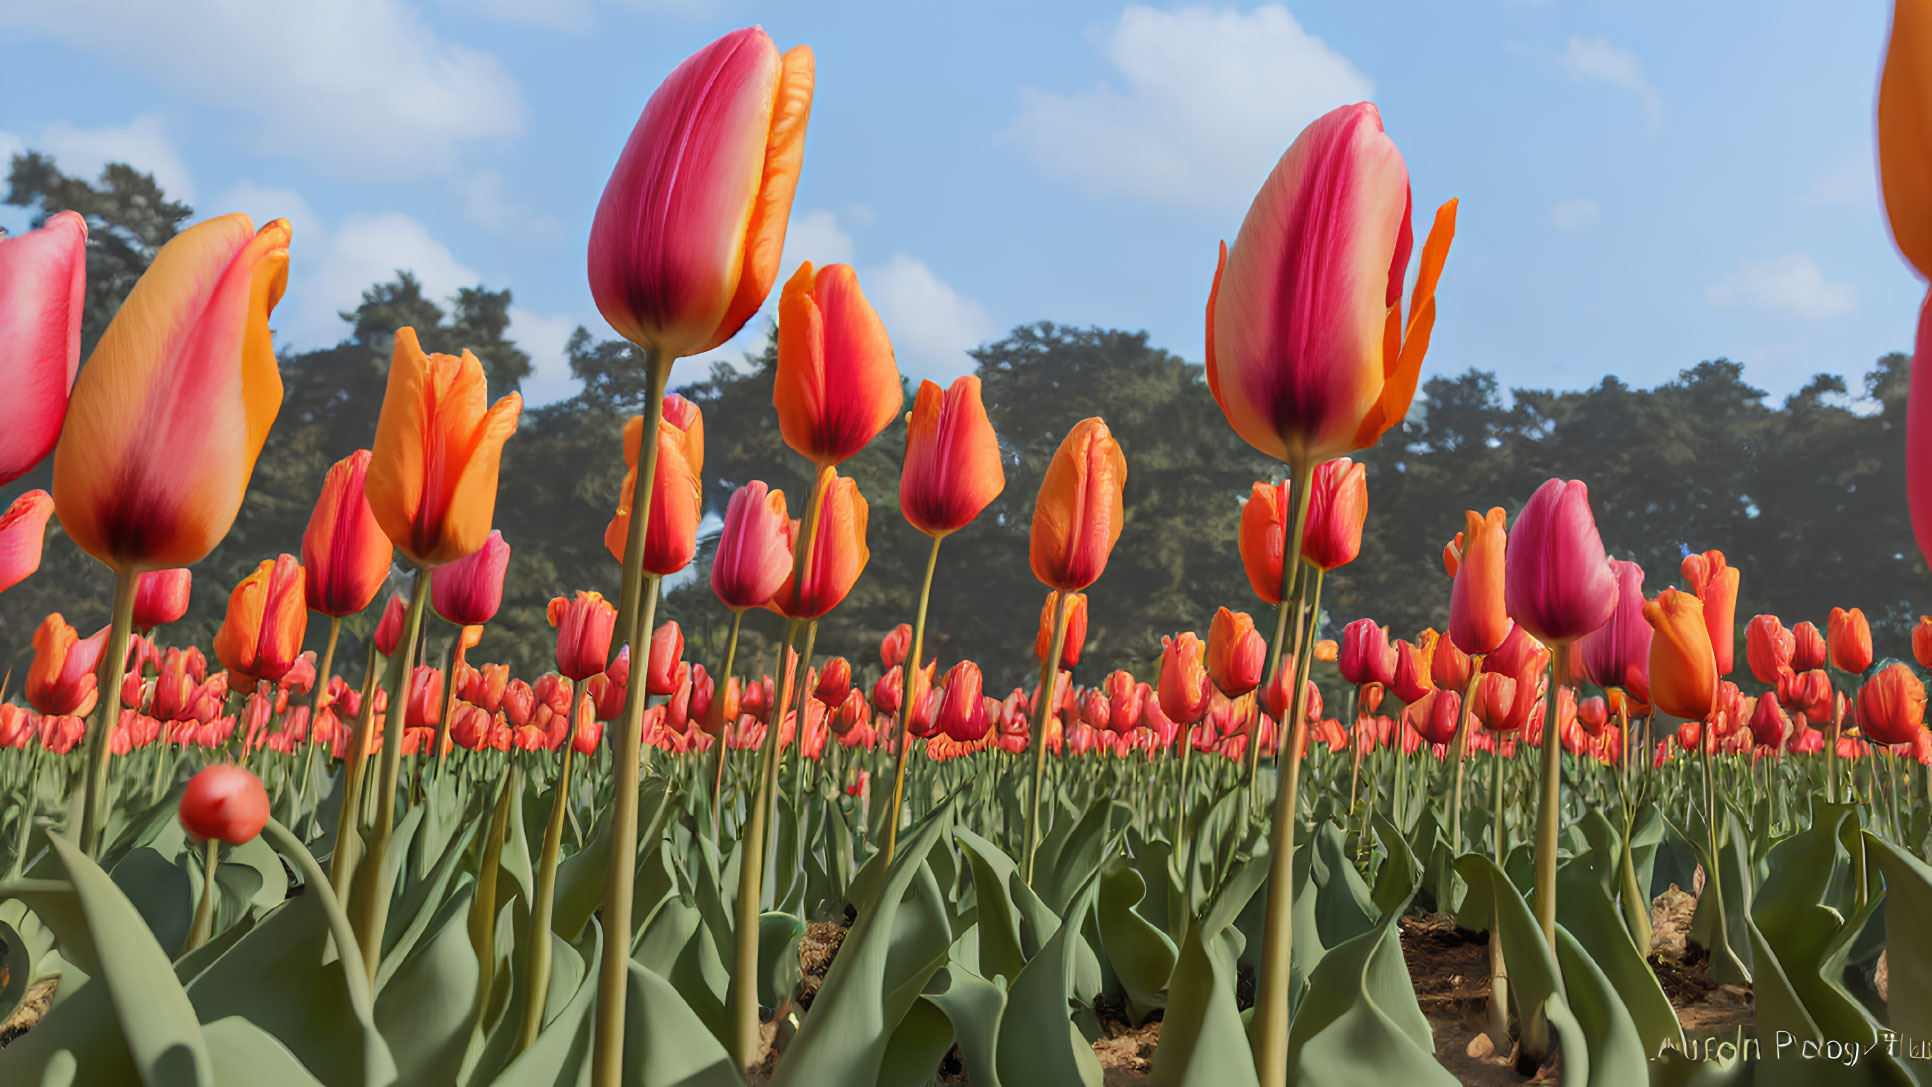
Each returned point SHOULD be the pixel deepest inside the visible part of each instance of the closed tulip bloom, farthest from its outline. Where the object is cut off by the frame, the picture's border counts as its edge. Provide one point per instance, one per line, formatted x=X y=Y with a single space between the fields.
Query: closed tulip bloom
x=1436 y=717
x=389 y=626
x=1366 y=655
x=1617 y=654
x=723 y=707
x=961 y=713
x=671 y=539
x=584 y=624
x=1715 y=583
x=1078 y=515
x=1769 y=649
x=1236 y=653
x=1337 y=506
x=837 y=385
x=468 y=591
x=1849 y=639
x=667 y=652
x=1075 y=638
x=1264 y=530
x=1125 y=699
x=686 y=240
x=61 y=681
x=424 y=708
x=1412 y=667
x=225 y=803
x=754 y=554
x=839 y=555
x=953 y=469
x=1185 y=689
x=834 y=682
x=1478 y=617
x=1922 y=641
x=43 y=293
x=432 y=474
x=160 y=596
x=1891 y=705
x=1307 y=352
x=1495 y=698
x=1683 y=670
x=1770 y=725
x=1557 y=581
x=894 y=647
x=1904 y=121
x=1449 y=666
x=23 y=534
x=345 y=553
x=1593 y=713
x=267 y=617
x=172 y=408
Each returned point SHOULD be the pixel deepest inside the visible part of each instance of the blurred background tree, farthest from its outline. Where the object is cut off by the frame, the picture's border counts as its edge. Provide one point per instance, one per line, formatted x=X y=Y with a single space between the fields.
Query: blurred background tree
x=1805 y=496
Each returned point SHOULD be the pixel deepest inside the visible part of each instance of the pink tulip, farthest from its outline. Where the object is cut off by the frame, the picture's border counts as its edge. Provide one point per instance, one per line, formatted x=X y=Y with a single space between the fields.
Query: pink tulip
x=23 y=530
x=1617 y=654
x=468 y=592
x=43 y=291
x=754 y=554
x=1557 y=582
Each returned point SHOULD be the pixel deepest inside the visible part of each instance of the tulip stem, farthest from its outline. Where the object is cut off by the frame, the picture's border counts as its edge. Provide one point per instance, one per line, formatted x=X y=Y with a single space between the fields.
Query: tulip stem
x=802 y=697
x=449 y=702
x=741 y=997
x=368 y=898
x=906 y=669
x=537 y=986
x=1043 y=698
x=718 y=690
x=205 y=911
x=1459 y=752
x=107 y=706
x=1269 y=1032
x=613 y=968
x=348 y=819
x=483 y=907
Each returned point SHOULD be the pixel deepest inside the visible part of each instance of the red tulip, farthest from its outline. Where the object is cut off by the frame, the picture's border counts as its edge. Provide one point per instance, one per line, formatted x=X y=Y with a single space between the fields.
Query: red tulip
x=468 y=591
x=23 y=527
x=1337 y=506
x=961 y=713
x=952 y=469
x=1184 y=687
x=267 y=617
x=1768 y=649
x=837 y=385
x=1413 y=661
x=43 y=293
x=894 y=647
x=1617 y=654
x=1769 y=723
x=1436 y=717
x=225 y=803
x=667 y=652
x=389 y=627
x=1075 y=638
x=671 y=538
x=1891 y=705
x=1236 y=653
x=834 y=682
x=1450 y=667
x=61 y=681
x=1366 y=655
x=839 y=555
x=1558 y=583
x=1808 y=647
x=1922 y=641
x=754 y=554
x=1593 y=713
x=1849 y=638
x=584 y=626
x=1307 y=354
x=1125 y=701
x=160 y=597
x=686 y=241
x=345 y=553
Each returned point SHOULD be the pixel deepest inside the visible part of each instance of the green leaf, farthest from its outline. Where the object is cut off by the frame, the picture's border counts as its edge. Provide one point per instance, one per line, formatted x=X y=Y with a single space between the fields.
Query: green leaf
x=665 y=1045
x=161 y=892
x=1142 y=956
x=778 y=972
x=1617 y=1053
x=974 y=1005
x=245 y=1055
x=917 y=1047
x=1359 y=1021
x=1908 y=893
x=1038 y=1043
x=426 y=1008
x=1584 y=908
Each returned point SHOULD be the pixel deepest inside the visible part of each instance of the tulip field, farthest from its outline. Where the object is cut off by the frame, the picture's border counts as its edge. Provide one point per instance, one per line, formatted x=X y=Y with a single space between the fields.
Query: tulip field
x=1599 y=829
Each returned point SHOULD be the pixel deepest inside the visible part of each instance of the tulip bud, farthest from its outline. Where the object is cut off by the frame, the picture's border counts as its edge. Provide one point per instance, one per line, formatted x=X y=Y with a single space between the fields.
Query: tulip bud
x=1337 y=506
x=1236 y=653
x=225 y=803
x=1808 y=647
x=1558 y=583
x=667 y=652
x=1184 y=683
x=1891 y=705
x=894 y=647
x=962 y=705
x=1849 y=639
x=469 y=590
x=1769 y=649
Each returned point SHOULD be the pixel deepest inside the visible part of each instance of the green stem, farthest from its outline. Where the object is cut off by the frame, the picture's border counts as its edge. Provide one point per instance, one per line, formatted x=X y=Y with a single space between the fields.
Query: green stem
x=1269 y=1032
x=613 y=968
x=536 y=991
x=720 y=685
x=483 y=908
x=1459 y=750
x=107 y=713
x=205 y=911
x=906 y=668
x=1043 y=698
x=741 y=997
x=368 y=898
x=348 y=820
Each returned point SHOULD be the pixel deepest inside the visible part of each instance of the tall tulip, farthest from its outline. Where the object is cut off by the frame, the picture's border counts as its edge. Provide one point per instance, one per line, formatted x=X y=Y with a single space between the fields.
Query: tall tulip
x=1366 y=655
x=1185 y=687
x=1848 y=638
x=837 y=385
x=1683 y=667
x=1337 y=506
x=1715 y=583
x=1768 y=649
x=1236 y=653
x=584 y=624
x=752 y=561
x=961 y=713
x=23 y=535
x=1478 y=615
x=267 y=617
x=1558 y=584
x=838 y=554
x=166 y=421
x=671 y=538
x=1617 y=654
x=469 y=591
x=43 y=294
x=345 y=553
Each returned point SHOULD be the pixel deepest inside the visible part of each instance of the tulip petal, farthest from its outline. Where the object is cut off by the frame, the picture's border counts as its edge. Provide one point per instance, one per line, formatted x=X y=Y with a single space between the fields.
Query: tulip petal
x=43 y=291
x=1905 y=131
x=1918 y=433
x=784 y=156
x=23 y=531
x=1405 y=367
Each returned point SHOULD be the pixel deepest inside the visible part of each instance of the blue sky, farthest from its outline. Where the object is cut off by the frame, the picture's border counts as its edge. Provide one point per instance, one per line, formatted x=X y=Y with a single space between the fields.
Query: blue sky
x=1643 y=185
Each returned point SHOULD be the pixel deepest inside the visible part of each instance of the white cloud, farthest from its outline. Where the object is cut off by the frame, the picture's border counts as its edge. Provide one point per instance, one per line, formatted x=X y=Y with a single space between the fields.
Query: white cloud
x=815 y=236
x=1573 y=215
x=264 y=204
x=1792 y=283
x=931 y=324
x=487 y=205
x=141 y=143
x=548 y=14
x=1209 y=102
x=364 y=87
x=544 y=337
x=1595 y=60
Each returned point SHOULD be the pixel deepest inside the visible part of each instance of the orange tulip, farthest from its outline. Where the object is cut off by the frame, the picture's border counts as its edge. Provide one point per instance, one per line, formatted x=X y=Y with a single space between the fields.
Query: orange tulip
x=837 y=384
x=839 y=554
x=1922 y=641
x=1075 y=638
x=174 y=404
x=61 y=681
x=1236 y=653
x=267 y=616
x=687 y=237
x=1185 y=688
x=23 y=533
x=1337 y=506
x=1683 y=669
x=953 y=466
x=1905 y=132
x=671 y=540
x=1078 y=515
x=432 y=475
x=1891 y=705
x=1848 y=637
x=1307 y=352
x=1715 y=583
x=344 y=552
x=1478 y=617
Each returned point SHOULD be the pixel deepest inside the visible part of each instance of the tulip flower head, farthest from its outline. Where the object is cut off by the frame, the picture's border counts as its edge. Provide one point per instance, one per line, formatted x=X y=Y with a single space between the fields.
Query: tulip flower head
x=172 y=408
x=584 y=625
x=837 y=385
x=345 y=553
x=687 y=237
x=1265 y=518
x=224 y=803
x=1185 y=688
x=1558 y=583
x=1073 y=640
x=267 y=617
x=23 y=534
x=1307 y=353
x=839 y=555
x=1807 y=647
x=894 y=647
x=1891 y=705
x=1337 y=507
x=468 y=591
x=754 y=553
x=952 y=470
x=961 y=713
x=1413 y=662
x=1769 y=649
x=667 y=653
x=1715 y=583
x=1683 y=669
x=1078 y=515
x=1478 y=616
x=432 y=473
x=671 y=538
x=61 y=681
x=1236 y=653
x=1366 y=655
x=43 y=294
x=1617 y=654
x=1849 y=640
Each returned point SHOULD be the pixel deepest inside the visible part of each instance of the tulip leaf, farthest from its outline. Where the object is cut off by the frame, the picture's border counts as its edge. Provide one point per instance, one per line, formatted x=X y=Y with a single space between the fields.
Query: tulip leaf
x=245 y=1055
x=1203 y=1040
x=1584 y=908
x=1142 y=956
x=1617 y=1053
x=1038 y=1043
x=664 y=1043
x=917 y=1046
x=778 y=970
x=425 y=1009
x=561 y=1052
x=163 y=894
x=1359 y=1019
x=974 y=1006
